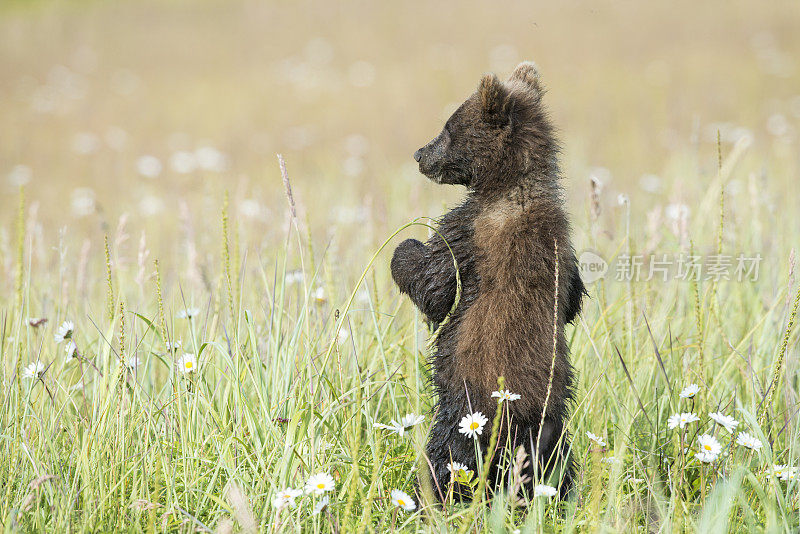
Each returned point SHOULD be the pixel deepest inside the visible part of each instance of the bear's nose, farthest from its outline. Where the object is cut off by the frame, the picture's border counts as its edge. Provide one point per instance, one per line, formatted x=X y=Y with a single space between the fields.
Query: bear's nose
x=418 y=155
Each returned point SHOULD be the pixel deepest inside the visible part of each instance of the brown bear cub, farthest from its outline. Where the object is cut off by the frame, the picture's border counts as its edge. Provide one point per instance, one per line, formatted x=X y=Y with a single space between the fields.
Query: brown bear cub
x=500 y=145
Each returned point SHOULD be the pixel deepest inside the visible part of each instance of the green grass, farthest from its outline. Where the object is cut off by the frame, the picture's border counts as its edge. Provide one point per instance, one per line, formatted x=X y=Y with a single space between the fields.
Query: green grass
x=280 y=394
x=293 y=371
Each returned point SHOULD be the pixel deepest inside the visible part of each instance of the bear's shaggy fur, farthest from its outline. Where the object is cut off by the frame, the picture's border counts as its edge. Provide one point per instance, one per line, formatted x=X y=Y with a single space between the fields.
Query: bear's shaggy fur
x=500 y=144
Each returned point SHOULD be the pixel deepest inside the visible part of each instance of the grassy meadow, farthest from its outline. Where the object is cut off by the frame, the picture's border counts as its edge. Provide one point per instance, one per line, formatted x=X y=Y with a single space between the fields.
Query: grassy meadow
x=187 y=332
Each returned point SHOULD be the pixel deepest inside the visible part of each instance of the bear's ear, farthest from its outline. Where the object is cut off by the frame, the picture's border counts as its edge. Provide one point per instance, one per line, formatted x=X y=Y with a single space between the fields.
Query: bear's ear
x=493 y=97
x=527 y=73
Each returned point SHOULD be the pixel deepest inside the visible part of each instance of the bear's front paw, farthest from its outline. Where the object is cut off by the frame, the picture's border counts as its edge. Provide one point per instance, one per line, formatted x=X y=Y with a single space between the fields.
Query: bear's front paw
x=406 y=262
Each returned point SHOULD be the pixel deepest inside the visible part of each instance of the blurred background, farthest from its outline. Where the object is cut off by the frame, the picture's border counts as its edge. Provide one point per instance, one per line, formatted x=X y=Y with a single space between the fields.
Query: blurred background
x=141 y=114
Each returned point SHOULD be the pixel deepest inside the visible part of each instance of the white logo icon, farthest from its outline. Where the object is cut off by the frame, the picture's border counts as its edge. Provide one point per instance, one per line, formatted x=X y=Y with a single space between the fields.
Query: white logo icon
x=591 y=266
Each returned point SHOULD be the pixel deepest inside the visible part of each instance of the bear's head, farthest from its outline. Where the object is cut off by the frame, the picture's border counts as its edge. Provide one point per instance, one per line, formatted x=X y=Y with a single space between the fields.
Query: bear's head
x=500 y=135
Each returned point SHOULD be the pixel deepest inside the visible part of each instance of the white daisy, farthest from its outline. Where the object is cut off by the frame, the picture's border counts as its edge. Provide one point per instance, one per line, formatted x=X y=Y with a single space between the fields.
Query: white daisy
x=729 y=423
x=286 y=497
x=784 y=472
x=132 y=363
x=597 y=439
x=210 y=159
x=33 y=370
x=188 y=313
x=148 y=166
x=543 y=490
x=342 y=336
x=459 y=470
x=505 y=394
x=709 y=448
x=681 y=420
x=319 y=295
x=689 y=391
x=187 y=363
x=472 y=425
x=319 y=484
x=293 y=277
x=411 y=419
x=64 y=331
x=403 y=500
x=779 y=470
x=746 y=440
x=406 y=421
x=172 y=346
x=71 y=350
x=183 y=162
x=321 y=504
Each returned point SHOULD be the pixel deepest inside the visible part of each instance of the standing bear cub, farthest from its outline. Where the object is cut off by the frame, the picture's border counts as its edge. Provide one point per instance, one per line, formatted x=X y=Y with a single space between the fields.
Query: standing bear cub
x=504 y=238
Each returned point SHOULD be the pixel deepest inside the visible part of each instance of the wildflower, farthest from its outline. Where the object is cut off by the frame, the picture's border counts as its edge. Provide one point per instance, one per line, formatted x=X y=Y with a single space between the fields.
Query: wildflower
x=342 y=336
x=403 y=500
x=209 y=158
x=709 y=448
x=19 y=175
x=543 y=490
x=505 y=394
x=71 y=350
x=183 y=162
x=65 y=331
x=187 y=363
x=610 y=460
x=172 y=346
x=132 y=363
x=411 y=419
x=321 y=504
x=472 y=425
x=188 y=313
x=407 y=421
x=319 y=295
x=729 y=423
x=148 y=166
x=459 y=470
x=681 y=420
x=33 y=370
x=597 y=439
x=746 y=440
x=286 y=497
x=689 y=391
x=319 y=484
x=784 y=472
x=779 y=469
x=293 y=277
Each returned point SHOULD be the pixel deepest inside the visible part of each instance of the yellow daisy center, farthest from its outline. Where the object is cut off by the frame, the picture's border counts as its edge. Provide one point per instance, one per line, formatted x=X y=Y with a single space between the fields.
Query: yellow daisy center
x=321 y=485
x=474 y=425
x=707 y=447
x=401 y=502
x=188 y=365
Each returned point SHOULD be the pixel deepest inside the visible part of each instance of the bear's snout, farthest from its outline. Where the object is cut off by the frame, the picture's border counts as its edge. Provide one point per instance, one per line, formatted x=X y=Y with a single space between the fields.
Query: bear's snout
x=432 y=156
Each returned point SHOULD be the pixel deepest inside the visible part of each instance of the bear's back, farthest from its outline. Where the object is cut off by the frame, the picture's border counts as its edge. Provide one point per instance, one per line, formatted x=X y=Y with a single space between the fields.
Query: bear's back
x=508 y=330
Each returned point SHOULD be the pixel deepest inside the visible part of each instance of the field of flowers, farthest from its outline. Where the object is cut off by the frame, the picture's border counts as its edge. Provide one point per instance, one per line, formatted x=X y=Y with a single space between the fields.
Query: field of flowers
x=198 y=328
